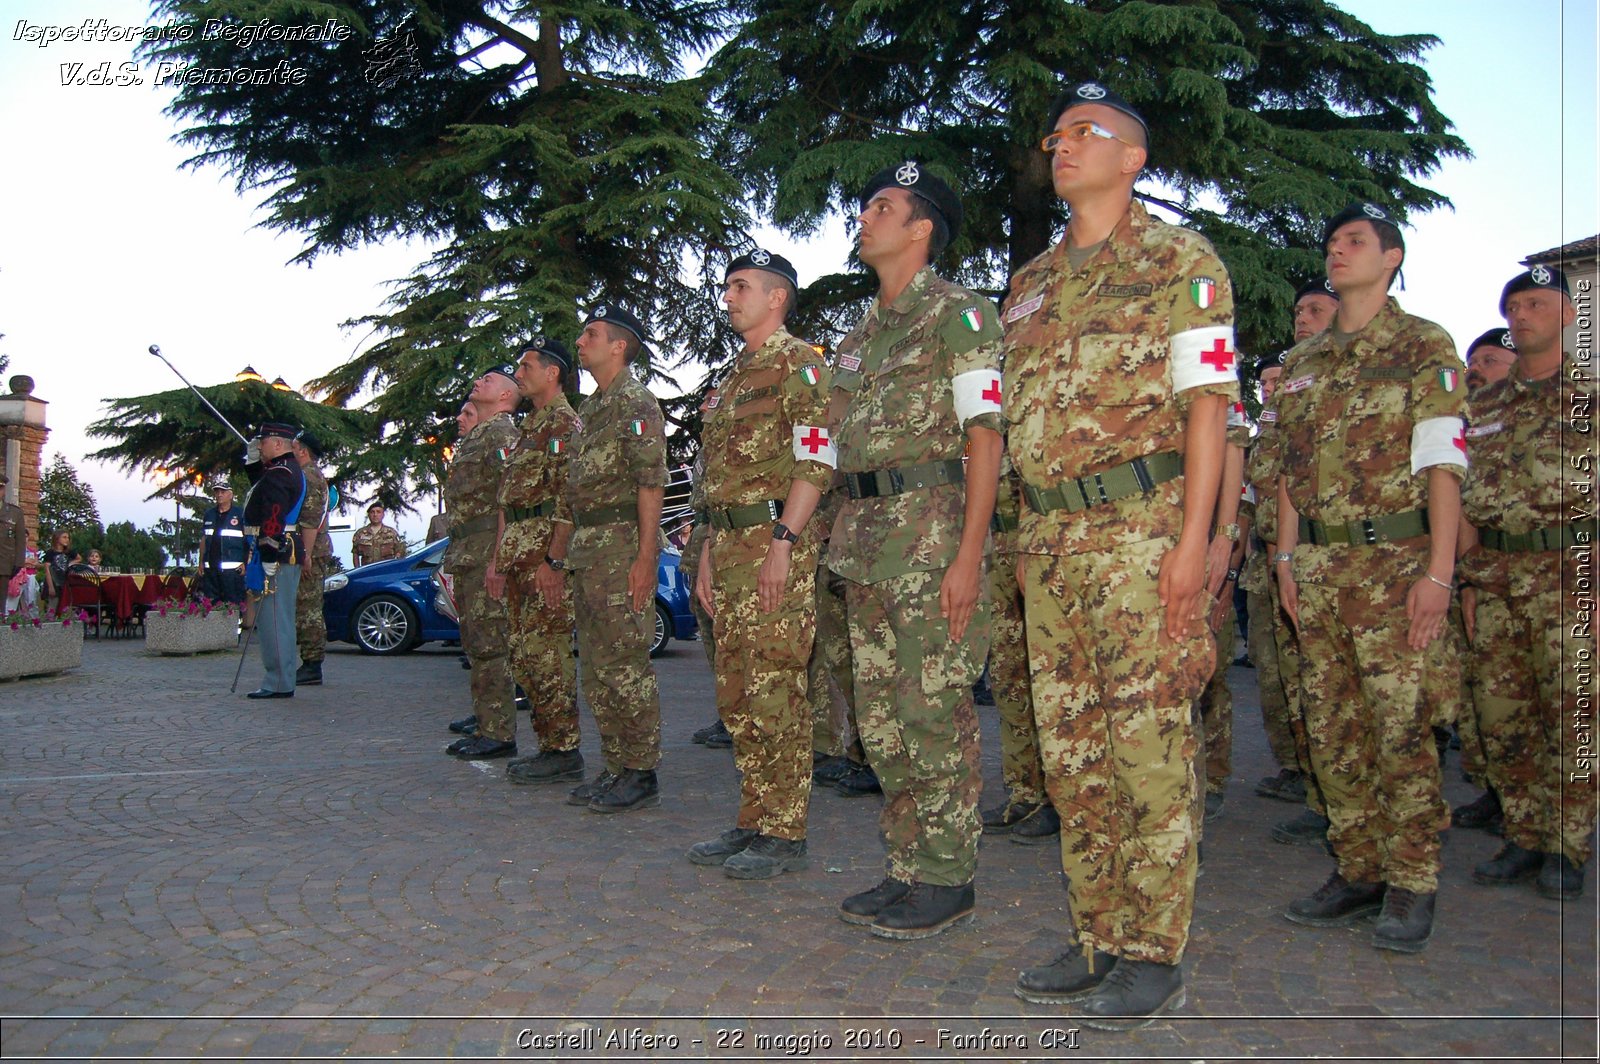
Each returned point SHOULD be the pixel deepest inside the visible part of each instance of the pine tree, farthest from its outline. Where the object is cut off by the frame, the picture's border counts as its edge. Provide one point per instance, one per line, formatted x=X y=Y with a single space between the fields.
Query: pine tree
x=66 y=504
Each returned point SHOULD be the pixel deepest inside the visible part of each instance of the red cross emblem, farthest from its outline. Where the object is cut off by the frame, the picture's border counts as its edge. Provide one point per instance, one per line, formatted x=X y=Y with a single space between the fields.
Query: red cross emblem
x=1460 y=441
x=992 y=393
x=815 y=440
x=1219 y=357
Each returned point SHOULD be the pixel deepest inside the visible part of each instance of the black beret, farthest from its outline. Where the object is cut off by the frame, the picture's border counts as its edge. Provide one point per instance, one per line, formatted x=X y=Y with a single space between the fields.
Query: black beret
x=1493 y=338
x=917 y=181
x=508 y=370
x=1356 y=212
x=553 y=348
x=305 y=439
x=1538 y=277
x=1266 y=362
x=615 y=315
x=1094 y=92
x=279 y=429
x=1319 y=287
x=761 y=259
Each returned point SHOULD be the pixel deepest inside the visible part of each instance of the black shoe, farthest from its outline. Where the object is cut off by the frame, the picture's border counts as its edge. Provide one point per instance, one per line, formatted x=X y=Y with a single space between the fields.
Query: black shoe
x=1406 y=923
x=1337 y=903
x=864 y=908
x=523 y=705
x=262 y=692
x=826 y=772
x=858 y=782
x=1215 y=800
x=1133 y=995
x=708 y=731
x=482 y=748
x=1273 y=786
x=1560 y=879
x=584 y=794
x=547 y=766
x=766 y=857
x=1307 y=829
x=719 y=737
x=309 y=674
x=717 y=850
x=465 y=726
x=1511 y=865
x=1067 y=978
x=1002 y=818
x=1039 y=828
x=925 y=911
x=635 y=788
x=1478 y=814
x=466 y=662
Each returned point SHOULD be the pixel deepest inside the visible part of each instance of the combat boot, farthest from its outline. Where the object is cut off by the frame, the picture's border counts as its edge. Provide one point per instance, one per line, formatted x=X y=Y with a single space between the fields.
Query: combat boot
x=1337 y=903
x=1067 y=978
x=858 y=782
x=465 y=726
x=1477 y=815
x=827 y=771
x=925 y=911
x=863 y=908
x=1560 y=878
x=1002 y=818
x=584 y=794
x=720 y=738
x=1133 y=995
x=1214 y=803
x=1511 y=865
x=1272 y=786
x=717 y=850
x=1307 y=829
x=547 y=766
x=309 y=674
x=482 y=748
x=708 y=731
x=766 y=857
x=636 y=788
x=1406 y=923
x=1039 y=828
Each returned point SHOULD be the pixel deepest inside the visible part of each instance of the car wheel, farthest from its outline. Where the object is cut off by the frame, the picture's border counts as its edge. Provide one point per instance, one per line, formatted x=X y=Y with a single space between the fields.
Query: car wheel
x=658 y=644
x=385 y=624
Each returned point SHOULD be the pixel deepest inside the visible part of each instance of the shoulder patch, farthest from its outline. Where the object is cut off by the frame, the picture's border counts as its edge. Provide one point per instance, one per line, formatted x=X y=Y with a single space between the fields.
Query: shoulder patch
x=972 y=318
x=810 y=374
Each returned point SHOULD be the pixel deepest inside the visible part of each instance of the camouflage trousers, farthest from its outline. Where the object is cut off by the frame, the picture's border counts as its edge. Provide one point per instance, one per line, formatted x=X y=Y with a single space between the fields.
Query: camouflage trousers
x=1021 y=769
x=1216 y=710
x=1262 y=641
x=310 y=629
x=1473 y=757
x=541 y=661
x=614 y=663
x=830 y=682
x=690 y=564
x=1113 y=697
x=1369 y=725
x=1535 y=659
x=761 y=679
x=914 y=706
x=483 y=637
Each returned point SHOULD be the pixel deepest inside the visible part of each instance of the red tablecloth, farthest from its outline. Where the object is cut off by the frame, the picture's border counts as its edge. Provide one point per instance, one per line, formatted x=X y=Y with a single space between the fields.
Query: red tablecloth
x=123 y=592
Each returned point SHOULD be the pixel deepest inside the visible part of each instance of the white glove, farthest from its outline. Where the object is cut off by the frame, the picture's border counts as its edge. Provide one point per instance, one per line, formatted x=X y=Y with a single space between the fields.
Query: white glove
x=270 y=568
x=252 y=452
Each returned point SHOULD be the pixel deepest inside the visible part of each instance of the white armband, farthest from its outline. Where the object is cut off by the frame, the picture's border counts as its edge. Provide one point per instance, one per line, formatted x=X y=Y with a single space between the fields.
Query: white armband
x=812 y=443
x=1438 y=441
x=1203 y=356
x=976 y=392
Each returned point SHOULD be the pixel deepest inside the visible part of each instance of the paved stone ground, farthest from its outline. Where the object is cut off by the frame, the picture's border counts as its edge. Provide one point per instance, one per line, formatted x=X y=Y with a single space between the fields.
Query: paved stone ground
x=191 y=875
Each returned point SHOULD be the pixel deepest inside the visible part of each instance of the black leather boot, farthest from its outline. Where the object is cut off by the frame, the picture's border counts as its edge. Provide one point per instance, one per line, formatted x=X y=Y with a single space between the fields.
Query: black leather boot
x=1511 y=865
x=1406 y=923
x=1133 y=995
x=1337 y=903
x=717 y=850
x=636 y=788
x=584 y=794
x=1560 y=878
x=547 y=766
x=1067 y=978
x=309 y=674
x=863 y=908
x=766 y=857
x=925 y=911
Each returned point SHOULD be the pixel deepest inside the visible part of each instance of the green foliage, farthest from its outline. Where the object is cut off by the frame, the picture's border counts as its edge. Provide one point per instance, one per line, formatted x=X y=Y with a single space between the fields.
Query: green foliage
x=66 y=504
x=121 y=545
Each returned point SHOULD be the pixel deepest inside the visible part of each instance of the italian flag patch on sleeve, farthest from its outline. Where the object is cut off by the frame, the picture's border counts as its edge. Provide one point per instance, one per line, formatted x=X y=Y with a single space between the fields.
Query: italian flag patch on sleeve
x=557 y=446
x=810 y=375
x=636 y=427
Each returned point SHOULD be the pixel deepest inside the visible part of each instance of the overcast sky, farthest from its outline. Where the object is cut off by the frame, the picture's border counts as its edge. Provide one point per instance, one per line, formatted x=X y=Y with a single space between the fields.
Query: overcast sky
x=107 y=247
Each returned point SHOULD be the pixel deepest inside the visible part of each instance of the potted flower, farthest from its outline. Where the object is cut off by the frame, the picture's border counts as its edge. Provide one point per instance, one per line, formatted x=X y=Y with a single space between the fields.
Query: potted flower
x=191 y=626
x=31 y=645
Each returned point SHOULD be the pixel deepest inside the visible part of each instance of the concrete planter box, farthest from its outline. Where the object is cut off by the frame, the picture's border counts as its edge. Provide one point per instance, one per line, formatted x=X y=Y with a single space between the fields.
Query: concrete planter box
x=44 y=651
x=175 y=634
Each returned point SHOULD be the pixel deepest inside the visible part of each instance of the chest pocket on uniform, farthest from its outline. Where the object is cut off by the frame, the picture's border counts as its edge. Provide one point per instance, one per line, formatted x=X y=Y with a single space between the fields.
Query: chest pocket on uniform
x=1123 y=353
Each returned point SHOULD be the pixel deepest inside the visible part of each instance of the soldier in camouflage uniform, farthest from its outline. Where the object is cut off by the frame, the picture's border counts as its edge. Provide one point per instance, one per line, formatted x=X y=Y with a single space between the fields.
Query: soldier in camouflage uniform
x=916 y=382
x=375 y=541
x=714 y=734
x=1527 y=549
x=311 y=630
x=768 y=459
x=1120 y=370
x=615 y=486
x=839 y=761
x=1365 y=565
x=535 y=527
x=472 y=499
x=1026 y=815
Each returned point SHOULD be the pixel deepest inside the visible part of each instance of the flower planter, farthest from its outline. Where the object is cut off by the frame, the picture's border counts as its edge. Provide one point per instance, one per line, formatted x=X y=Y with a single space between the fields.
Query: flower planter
x=45 y=650
x=193 y=634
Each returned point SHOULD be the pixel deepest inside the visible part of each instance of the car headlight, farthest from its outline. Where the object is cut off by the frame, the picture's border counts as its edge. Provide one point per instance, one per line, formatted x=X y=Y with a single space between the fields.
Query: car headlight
x=335 y=582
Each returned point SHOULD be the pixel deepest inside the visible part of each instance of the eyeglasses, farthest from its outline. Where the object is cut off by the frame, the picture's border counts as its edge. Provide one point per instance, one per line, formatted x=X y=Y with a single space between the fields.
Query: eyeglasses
x=1079 y=133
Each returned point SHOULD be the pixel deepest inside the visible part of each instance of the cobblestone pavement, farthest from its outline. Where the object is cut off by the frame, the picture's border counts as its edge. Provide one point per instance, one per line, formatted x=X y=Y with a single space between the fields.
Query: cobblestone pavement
x=192 y=875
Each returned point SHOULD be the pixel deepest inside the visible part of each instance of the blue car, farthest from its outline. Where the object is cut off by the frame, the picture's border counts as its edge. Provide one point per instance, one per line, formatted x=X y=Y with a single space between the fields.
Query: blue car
x=388 y=607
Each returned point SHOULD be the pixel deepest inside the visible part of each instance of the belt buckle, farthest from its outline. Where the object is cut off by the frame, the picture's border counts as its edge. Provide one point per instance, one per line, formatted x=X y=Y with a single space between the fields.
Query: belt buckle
x=1141 y=474
x=897 y=482
x=1369 y=534
x=772 y=509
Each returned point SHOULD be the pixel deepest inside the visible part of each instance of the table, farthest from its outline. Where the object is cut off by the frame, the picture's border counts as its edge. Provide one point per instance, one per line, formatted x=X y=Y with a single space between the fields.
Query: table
x=122 y=592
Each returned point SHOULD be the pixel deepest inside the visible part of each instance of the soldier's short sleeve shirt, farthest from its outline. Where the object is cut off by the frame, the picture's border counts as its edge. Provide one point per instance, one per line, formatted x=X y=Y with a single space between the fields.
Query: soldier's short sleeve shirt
x=1101 y=364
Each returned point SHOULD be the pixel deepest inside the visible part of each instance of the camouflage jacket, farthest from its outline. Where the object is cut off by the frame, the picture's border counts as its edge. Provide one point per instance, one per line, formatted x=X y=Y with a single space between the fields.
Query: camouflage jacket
x=314 y=514
x=472 y=491
x=1360 y=425
x=1529 y=455
x=766 y=427
x=1101 y=364
x=535 y=475
x=371 y=544
x=908 y=382
x=620 y=447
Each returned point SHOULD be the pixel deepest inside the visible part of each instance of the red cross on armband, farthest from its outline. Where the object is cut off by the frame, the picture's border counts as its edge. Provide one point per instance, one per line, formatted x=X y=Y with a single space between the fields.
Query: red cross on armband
x=1460 y=441
x=815 y=440
x=1219 y=357
x=992 y=393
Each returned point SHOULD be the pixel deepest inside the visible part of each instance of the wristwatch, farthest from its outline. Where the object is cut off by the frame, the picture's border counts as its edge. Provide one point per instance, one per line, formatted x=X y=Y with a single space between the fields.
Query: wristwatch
x=558 y=564
x=781 y=531
x=1229 y=532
